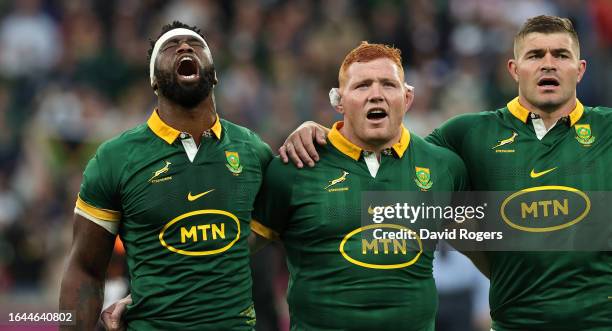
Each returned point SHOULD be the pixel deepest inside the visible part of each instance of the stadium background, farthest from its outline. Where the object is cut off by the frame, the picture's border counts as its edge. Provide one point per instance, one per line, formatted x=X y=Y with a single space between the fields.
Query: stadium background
x=74 y=73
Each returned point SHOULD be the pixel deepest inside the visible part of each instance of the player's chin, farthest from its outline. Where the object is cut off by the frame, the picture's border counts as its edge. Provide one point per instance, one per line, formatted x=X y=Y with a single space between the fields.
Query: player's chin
x=550 y=101
x=379 y=134
x=378 y=124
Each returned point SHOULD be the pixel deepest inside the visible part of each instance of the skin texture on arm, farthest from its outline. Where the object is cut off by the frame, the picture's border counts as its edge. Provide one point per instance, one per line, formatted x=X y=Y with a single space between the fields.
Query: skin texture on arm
x=82 y=289
x=299 y=146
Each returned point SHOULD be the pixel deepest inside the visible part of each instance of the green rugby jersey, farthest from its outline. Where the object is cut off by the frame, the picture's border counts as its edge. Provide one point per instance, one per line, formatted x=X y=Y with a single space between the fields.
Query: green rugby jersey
x=540 y=290
x=339 y=281
x=184 y=224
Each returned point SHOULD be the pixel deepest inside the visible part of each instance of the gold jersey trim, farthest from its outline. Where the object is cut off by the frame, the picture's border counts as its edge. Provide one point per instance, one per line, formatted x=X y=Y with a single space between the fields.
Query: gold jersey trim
x=353 y=151
x=263 y=230
x=99 y=213
x=522 y=113
x=169 y=134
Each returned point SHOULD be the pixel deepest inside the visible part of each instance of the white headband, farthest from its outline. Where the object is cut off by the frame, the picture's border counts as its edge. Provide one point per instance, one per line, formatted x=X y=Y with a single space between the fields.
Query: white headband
x=162 y=40
x=334 y=95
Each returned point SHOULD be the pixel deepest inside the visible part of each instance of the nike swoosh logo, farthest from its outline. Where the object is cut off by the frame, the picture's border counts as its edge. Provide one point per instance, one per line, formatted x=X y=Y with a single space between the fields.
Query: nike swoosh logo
x=534 y=174
x=197 y=196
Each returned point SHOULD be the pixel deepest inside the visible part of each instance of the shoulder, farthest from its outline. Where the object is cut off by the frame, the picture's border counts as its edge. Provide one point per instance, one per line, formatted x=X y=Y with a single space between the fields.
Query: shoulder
x=284 y=171
x=123 y=143
x=238 y=132
x=469 y=120
x=288 y=174
x=113 y=155
x=600 y=111
x=438 y=154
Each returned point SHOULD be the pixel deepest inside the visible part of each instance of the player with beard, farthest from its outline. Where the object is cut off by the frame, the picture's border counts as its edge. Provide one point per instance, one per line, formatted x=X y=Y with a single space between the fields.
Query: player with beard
x=179 y=191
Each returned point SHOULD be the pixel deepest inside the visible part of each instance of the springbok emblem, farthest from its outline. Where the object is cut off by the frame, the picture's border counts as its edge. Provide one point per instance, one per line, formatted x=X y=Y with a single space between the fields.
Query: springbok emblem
x=506 y=141
x=161 y=171
x=337 y=180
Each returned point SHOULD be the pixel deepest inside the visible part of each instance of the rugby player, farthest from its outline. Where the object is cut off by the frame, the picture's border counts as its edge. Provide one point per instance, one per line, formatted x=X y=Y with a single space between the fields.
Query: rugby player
x=179 y=190
x=336 y=281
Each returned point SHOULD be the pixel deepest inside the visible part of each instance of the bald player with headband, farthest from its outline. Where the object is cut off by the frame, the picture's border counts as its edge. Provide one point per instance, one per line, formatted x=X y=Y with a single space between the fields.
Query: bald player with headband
x=179 y=191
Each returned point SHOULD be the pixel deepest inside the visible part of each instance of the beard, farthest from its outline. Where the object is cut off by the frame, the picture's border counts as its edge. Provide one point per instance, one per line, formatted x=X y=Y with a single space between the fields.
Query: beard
x=186 y=96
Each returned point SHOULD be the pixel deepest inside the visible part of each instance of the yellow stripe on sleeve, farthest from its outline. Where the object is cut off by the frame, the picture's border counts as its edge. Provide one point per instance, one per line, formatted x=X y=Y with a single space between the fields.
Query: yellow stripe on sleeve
x=263 y=230
x=99 y=213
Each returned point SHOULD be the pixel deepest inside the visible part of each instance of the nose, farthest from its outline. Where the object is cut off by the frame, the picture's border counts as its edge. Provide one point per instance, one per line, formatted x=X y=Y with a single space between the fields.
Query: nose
x=548 y=62
x=376 y=94
x=184 y=47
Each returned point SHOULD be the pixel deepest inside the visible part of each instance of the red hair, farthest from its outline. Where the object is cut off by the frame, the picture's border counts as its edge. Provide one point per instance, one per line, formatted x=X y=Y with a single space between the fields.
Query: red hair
x=367 y=52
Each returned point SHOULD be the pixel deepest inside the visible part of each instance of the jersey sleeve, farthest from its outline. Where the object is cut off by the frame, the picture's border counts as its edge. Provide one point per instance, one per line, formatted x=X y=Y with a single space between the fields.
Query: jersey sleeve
x=273 y=203
x=451 y=133
x=98 y=198
x=458 y=172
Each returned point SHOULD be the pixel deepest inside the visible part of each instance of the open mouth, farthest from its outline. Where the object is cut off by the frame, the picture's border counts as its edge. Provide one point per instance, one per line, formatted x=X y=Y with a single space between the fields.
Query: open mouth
x=376 y=114
x=187 y=67
x=548 y=81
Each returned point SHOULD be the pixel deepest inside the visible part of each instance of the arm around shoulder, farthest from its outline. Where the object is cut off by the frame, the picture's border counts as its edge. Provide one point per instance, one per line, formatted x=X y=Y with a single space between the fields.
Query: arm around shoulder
x=451 y=133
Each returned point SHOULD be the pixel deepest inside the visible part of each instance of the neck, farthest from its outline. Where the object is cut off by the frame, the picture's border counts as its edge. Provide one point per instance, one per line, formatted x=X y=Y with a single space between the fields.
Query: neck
x=550 y=116
x=194 y=120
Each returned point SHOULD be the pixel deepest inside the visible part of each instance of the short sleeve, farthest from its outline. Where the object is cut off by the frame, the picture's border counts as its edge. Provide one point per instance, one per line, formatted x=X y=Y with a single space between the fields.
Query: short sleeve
x=273 y=203
x=98 y=199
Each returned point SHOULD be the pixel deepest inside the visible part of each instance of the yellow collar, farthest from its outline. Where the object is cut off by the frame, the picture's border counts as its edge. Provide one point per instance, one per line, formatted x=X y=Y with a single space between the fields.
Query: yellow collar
x=522 y=113
x=169 y=134
x=353 y=151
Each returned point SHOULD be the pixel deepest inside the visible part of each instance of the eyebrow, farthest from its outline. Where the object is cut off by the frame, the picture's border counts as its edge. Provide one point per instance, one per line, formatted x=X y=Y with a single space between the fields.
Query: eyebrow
x=541 y=51
x=363 y=81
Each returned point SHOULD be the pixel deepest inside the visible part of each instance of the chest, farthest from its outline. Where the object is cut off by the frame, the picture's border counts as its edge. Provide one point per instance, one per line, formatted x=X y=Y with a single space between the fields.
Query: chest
x=217 y=189
x=509 y=159
x=335 y=200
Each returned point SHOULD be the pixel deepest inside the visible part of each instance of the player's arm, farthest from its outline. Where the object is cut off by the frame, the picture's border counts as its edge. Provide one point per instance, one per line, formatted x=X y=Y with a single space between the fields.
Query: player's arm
x=82 y=289
x=299 y=146
x=460 y=176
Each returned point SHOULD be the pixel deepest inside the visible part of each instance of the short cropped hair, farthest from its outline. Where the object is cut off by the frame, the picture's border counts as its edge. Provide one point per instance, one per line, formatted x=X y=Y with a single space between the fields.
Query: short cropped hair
x=547 y=24
x=366 y=52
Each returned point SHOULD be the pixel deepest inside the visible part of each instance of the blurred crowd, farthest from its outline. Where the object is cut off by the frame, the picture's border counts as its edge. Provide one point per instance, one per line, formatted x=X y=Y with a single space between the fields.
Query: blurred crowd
x=74 y=73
